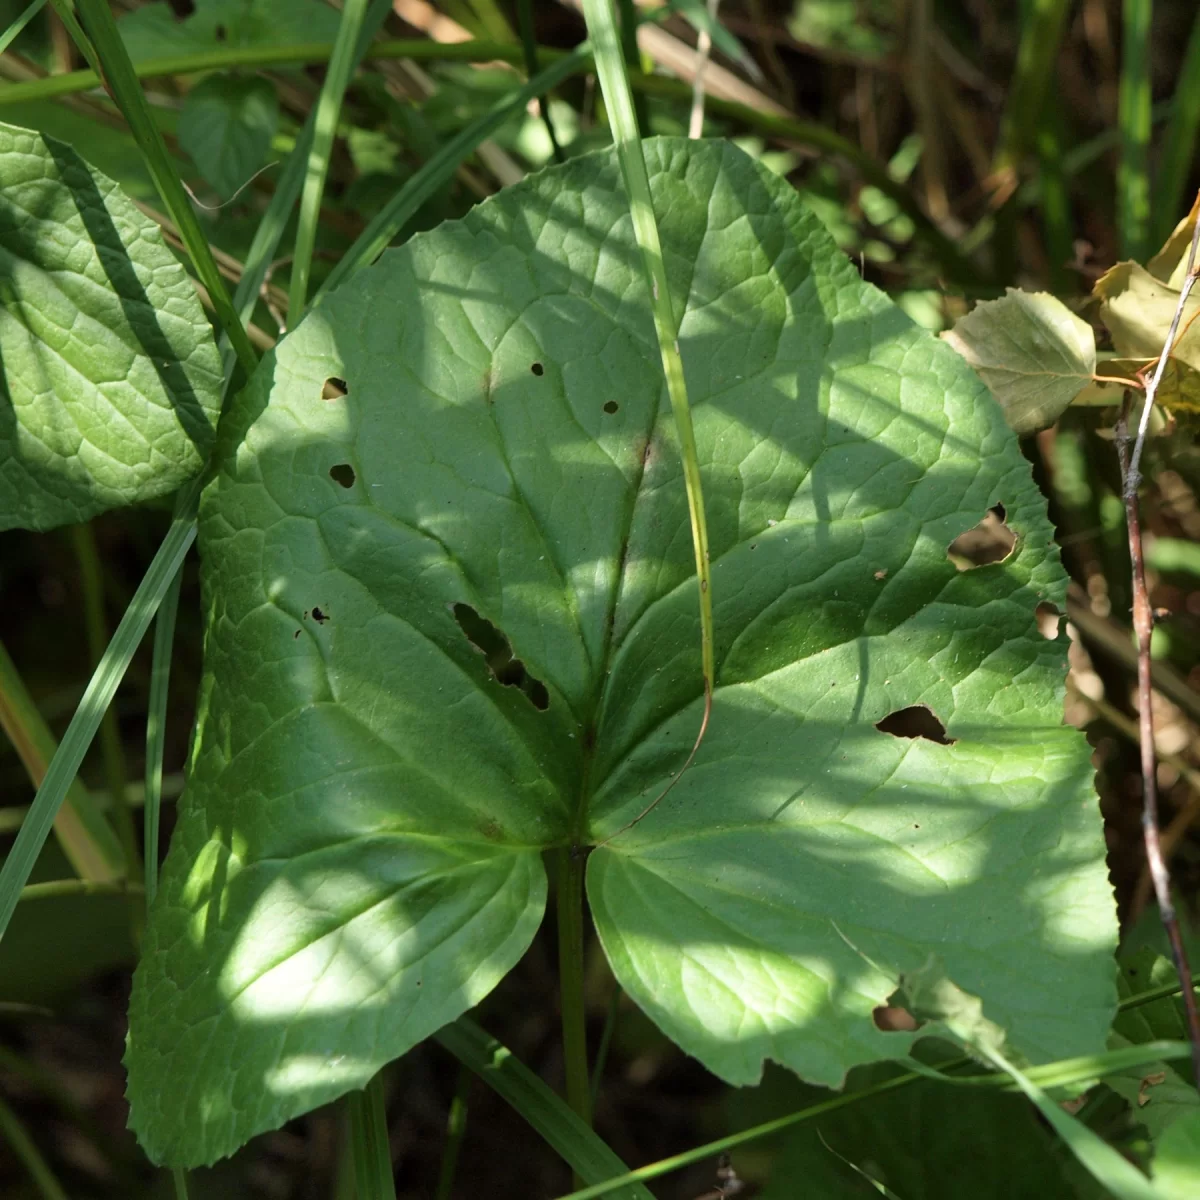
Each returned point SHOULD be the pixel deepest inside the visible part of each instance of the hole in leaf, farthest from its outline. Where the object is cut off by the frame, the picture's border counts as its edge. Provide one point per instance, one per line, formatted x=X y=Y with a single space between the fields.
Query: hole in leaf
x=342 y=473
x=334 y=389
x=220 y=33
x=1049 y=620
x=916 y=721
x=611 y=407
x=497 y=649
x=319 y=615
x=538 y=369
x=891 y=1018
x=991 y=541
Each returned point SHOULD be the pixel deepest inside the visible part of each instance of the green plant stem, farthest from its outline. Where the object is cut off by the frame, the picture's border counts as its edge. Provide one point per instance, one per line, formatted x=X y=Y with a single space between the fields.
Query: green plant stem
x=86 y=837
x=179 y=1179
x=30 y=1157
x=571 y=863
x=1179 y=140
x=545 y=1111
x=122 y=82
x=369 y=1146
x=11 y=34
x=1133 y=117
x=456 y=1129
x=156 y=718
x=54 y=889
x=91 y=581
x=529 y=45
x=329 y=106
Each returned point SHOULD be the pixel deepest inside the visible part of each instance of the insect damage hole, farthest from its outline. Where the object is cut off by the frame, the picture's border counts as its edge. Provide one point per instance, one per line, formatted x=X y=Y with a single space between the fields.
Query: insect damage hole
x=611 y=406
x=497 y=650
x=916 y=721
x=1049 y=620
x=538 y=369
x=991 y=541
x=342 y=473
x=334 y=389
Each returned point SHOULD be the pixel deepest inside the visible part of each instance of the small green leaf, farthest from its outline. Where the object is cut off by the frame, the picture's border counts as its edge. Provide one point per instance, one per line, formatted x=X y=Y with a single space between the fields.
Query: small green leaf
x=110 y=378
x=1177 y=1160
x=153 y=31
x=226 y=125
x=1031 y=350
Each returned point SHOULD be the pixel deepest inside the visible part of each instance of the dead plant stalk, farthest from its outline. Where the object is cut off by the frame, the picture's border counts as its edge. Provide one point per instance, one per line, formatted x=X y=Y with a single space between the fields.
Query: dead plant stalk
x=1143 y=625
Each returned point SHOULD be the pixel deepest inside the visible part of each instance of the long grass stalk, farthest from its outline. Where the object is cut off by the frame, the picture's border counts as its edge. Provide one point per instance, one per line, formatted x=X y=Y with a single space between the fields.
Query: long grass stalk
x=1179 y=140
x=547 y=1113
x=1133 y=117
x=87 y=839
x=122 y=81
x=156 y=719
x=618 y=99
x=96 y=699
x=91 y=580
x=384 y=226
x=16 y=27
x=329 y=107
x=369 y=1147
x=30 y=1157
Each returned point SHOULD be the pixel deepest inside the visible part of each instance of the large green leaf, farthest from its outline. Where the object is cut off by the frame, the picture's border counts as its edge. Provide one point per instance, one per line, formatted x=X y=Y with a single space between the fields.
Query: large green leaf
x=109 y=375
x=451 y=621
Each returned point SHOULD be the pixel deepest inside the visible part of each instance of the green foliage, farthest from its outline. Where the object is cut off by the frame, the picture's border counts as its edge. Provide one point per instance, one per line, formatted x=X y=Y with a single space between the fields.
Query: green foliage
x=153 y=30
x=226 y=125
x=111 y=379
x=927 y=1142
x=475 y=430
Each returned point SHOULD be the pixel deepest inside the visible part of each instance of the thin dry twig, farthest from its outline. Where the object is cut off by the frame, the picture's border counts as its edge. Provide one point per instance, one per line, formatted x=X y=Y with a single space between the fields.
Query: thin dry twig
x=1143 y=625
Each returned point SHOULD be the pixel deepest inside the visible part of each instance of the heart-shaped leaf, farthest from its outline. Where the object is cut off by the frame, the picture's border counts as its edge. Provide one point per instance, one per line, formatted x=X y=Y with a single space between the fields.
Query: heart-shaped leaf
x=452 y=622
x=226 y=125
x=109 y=375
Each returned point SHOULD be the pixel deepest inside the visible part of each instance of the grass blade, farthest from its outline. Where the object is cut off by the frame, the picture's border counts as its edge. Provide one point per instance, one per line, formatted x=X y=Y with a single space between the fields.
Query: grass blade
x=1102 y=1162
x=24 y=1149
x=11 y=34
x=1179 y=141
x=393 y=216
x=127 y=92
x=96 y=699
x=1133 y=117
x=1041 y=35
x=91 y=581
x=547 y=1113
x=87 y=839
x=329 y=107
x=156 y=719
x=369 y=1142
x=618 y=99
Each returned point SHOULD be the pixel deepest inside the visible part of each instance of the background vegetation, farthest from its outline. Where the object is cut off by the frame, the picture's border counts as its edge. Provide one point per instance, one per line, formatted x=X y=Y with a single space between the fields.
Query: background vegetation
x=953 y=148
